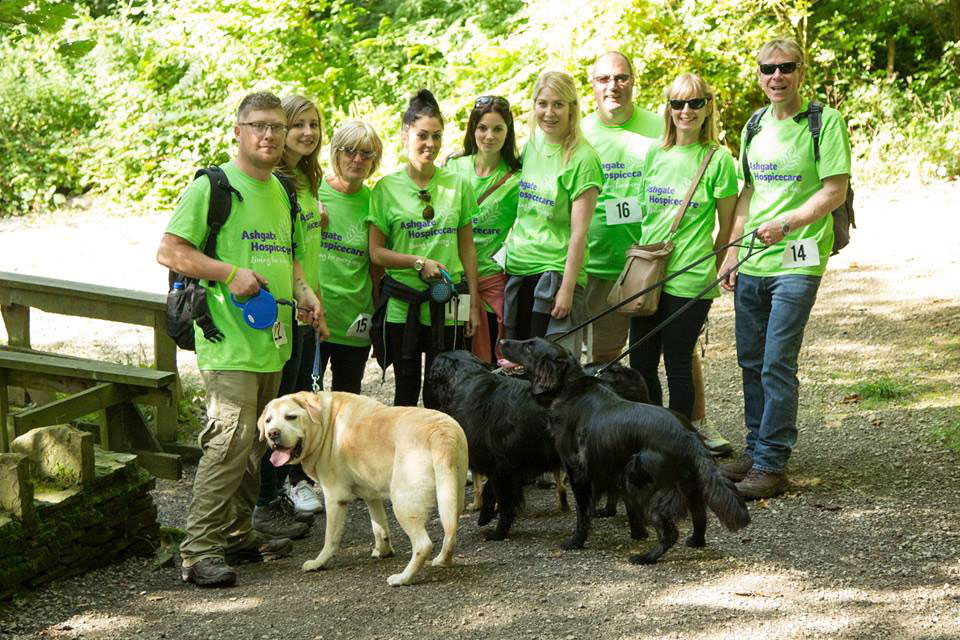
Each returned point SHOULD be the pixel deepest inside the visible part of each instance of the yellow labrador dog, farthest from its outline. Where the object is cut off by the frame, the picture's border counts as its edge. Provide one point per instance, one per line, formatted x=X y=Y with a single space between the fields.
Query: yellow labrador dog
x=354 y=446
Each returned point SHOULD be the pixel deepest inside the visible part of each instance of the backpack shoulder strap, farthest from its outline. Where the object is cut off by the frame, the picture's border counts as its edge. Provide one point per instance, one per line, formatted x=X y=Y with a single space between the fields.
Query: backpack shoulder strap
x=291 y=190
x=753 y=127
x=815 y=124
x=219 y=208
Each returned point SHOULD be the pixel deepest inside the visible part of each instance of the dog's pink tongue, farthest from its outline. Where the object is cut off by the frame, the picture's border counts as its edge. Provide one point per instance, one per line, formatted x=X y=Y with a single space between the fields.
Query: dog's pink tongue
x=280 y=457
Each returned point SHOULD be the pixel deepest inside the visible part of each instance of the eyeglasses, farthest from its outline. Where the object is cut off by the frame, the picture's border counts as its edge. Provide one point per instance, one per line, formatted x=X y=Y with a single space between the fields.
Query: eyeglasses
x=261 y=128
x=620 y=79
x=785 y=68
x=424 y=196
x=483 y=101
x=353 y=153
x=695 y=103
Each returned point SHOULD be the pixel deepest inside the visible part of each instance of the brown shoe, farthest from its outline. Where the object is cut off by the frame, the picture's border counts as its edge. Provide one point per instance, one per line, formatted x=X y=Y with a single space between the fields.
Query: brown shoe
x=762 y=484
x=210 y=572
x=739 y=468
x=263 y=550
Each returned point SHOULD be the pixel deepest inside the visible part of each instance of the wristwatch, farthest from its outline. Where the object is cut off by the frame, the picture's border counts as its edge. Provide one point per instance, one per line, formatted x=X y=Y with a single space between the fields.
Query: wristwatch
x=784 y=227
x=418 y=265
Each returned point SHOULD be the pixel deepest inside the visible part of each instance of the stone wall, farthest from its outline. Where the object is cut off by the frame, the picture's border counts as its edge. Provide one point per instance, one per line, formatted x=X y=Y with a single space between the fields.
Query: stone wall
x=67 y=507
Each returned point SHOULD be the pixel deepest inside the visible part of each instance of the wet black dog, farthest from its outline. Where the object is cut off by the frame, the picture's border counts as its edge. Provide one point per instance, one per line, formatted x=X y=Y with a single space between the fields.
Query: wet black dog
x=507 y=430
x=603 y=439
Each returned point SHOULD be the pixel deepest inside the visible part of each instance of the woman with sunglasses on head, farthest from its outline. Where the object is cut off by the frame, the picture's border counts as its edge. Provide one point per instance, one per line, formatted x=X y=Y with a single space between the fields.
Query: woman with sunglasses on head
x=559 y=184
x=669 y=169
x=420 y=231
x=300 y=164
x=491 y=166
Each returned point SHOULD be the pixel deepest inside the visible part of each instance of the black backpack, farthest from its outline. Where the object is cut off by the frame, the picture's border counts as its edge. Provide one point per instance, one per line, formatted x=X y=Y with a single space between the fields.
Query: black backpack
x=843 y=217
x=187 y=298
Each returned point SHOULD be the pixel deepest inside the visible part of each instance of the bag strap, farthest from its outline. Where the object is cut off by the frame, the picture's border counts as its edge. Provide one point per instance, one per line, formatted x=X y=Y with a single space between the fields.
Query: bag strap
x=814 y=114
x=753 y=127
x=494 y=187
x=693 y=187
x=218 y=209
x=291 y=189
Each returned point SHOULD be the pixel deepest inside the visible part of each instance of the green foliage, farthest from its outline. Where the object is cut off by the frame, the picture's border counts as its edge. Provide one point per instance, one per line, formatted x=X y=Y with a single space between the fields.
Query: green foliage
x=133 y=97
x=948 y=435
x=882 y=388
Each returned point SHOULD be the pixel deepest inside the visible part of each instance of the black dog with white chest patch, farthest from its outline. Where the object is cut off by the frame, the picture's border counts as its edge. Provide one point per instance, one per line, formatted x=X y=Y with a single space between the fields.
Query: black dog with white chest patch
x=603 y=439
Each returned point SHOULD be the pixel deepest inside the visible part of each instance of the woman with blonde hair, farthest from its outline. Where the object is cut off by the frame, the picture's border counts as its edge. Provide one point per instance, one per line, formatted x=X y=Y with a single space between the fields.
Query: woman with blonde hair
x=689 y=141
x=559 y=183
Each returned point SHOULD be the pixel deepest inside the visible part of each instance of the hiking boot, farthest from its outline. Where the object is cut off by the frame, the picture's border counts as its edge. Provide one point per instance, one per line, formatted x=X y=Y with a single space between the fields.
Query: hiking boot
x=762 y=484
x=304 y=497
x=210 y=572
x=274 y=522
x=739 y=468
x=262 y=550
x=713 y=440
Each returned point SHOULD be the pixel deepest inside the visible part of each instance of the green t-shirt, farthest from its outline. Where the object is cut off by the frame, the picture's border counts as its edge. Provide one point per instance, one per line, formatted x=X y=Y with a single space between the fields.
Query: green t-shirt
x=397 y=212
x=306 y=233
x=784 y=176
x=666 y=179
x=540 y=238
x=343 y=265
x=621 y=149
x=496 y=215
x=256 y=236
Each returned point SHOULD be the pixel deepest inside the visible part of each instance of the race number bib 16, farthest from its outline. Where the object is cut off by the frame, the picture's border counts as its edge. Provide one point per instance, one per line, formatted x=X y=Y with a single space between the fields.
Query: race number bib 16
x=801 y=253
x=623 y=211
x=360 y=328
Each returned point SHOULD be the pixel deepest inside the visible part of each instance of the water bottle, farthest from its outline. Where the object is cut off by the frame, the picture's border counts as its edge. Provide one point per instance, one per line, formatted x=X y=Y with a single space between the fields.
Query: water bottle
x=177 y=285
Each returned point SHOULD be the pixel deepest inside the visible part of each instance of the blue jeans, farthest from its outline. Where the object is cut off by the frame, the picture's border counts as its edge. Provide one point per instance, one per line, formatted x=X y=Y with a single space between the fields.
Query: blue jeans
x=771 y=314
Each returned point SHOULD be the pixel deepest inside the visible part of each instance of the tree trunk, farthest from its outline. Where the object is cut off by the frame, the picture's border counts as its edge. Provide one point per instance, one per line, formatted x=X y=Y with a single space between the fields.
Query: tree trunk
x=891 y=57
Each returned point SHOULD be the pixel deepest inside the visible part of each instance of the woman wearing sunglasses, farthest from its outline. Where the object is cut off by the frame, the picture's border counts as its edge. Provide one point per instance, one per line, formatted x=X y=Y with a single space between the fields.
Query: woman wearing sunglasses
x=559 y=183
x=490 y=165
x=420 y=232
x=669 y=170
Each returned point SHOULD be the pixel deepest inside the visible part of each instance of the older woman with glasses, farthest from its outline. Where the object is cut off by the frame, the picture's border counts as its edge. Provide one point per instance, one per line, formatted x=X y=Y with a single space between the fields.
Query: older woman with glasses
x=491 y=166
x=420 y=231
x=689 y=143
x=546 y=249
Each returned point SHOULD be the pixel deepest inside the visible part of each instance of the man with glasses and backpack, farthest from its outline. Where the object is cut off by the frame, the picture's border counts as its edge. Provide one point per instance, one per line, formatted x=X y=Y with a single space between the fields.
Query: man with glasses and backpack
x=240 y=365
x=795 y=162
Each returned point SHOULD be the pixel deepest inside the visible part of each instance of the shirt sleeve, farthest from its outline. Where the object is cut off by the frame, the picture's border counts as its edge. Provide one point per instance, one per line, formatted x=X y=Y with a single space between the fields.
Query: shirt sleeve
x=582 y=173
x=189 y=219
x=834 y=145
x=380 y=209
x=725 y=178
x=743 y=152
x=468 y=202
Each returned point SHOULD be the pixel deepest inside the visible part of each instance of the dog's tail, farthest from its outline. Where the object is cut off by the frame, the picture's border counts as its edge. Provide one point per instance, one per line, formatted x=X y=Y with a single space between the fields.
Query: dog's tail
x=721 y=495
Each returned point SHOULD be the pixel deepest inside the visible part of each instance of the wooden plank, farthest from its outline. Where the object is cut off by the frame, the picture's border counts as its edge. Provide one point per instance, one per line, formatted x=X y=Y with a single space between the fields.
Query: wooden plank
x=165 y=356
x=188 y=452
x=50 y=364
x=61 y=411
x=64 y=304
x=16 y=319
x=163 y=465
x=4 y=410
x=18 y=282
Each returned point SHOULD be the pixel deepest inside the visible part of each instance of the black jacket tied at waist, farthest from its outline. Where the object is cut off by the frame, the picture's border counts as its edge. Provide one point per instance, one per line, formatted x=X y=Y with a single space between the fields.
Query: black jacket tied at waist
x=391 y=288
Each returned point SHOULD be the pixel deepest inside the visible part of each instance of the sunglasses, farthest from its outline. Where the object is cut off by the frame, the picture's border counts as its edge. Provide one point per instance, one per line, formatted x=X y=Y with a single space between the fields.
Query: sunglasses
x=353 y=153
x=424 y=196
x=483 y=101
x=785 y=68
x=695 y=103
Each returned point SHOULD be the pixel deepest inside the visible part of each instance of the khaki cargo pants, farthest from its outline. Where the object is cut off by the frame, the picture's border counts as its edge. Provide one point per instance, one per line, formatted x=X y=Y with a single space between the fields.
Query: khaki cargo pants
x=228 y=474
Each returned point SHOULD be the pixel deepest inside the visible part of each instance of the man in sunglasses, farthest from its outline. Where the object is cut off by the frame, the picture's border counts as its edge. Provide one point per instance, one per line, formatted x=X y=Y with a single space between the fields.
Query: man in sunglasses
x=241 y=371
x=621 y=133
x=788 y=194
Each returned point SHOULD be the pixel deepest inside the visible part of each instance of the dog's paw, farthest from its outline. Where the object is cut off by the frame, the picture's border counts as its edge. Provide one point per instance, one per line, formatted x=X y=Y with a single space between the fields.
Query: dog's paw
x=496 y=534
x=484 y=520
x=696 y=541
x=642 y=558
x=397 y=580
x=571 y=544
x=606 y=512
x=382 y=553
x=639 y=534
x=312 y=565
x=441 y=562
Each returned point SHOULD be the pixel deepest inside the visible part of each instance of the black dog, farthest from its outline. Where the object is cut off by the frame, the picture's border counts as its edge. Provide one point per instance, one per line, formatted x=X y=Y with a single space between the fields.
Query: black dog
x=603 y=438
x=507 y=430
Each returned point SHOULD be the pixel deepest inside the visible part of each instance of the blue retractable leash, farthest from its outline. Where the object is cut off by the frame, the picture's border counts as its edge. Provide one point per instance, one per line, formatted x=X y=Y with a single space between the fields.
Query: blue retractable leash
x=260 y=311
x=441 y=289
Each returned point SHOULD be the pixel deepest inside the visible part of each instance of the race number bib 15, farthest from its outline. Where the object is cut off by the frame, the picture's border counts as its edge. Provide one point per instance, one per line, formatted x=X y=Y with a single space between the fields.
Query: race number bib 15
x=622 y=211
x=801 y=253
x=360 y=328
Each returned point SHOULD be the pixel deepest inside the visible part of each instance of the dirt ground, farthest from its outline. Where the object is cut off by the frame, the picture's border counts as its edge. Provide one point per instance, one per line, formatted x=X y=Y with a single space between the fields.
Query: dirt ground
x=866 y=544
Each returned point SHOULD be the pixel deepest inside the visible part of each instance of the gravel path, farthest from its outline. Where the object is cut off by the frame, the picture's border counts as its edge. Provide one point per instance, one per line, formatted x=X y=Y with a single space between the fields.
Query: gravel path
x=865 y=545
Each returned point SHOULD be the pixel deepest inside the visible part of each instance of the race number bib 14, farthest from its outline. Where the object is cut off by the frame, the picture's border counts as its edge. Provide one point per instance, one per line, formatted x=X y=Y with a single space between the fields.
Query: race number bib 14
x=623 y=211
x=801 y=253
x=360 y=328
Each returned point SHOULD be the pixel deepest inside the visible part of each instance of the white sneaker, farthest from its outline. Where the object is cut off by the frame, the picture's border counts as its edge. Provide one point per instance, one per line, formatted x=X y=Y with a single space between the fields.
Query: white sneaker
x=304 y=497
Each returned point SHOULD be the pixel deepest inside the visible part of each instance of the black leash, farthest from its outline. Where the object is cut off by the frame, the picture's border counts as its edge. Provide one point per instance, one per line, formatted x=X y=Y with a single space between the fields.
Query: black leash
x=750 y=253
